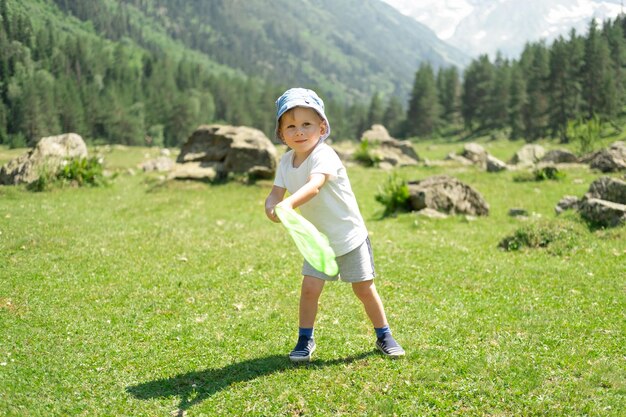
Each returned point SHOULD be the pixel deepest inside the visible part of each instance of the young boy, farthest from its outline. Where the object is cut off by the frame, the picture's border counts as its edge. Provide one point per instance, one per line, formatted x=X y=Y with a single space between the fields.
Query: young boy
x=318 y=184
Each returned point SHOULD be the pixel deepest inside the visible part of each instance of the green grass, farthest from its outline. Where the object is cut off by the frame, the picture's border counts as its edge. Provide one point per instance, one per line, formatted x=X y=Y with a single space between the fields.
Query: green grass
x=140 y=299
x=503 y=149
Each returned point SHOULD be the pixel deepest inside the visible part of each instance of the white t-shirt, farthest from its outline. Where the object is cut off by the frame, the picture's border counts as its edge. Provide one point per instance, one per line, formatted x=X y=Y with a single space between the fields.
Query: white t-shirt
x=334 y=211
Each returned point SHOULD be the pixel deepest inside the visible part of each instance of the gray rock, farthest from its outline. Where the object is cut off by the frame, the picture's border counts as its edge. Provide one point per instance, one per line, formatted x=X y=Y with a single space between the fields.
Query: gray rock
x=160 y=164
x=611 y=159
x=609 y=189
x=201 y=171
x=447 y=195
x=458 y=158
x=528 y=155
x=376 y=134
x=389 y=150
x=47 y=156
x=569 y=202
x=602 y=212
x=229 y=149
x=493 y=164
x=604 y=204
x=475 y=153
x=518 y=212
x=560 y=156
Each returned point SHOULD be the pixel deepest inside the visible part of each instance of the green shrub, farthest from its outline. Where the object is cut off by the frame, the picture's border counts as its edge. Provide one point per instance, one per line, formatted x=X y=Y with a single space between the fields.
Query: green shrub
x=77 y=172
x=585 y=133
x=393 y=195
x=540 y=174
x=84 y=171
x=558 y=236
x=365 y=156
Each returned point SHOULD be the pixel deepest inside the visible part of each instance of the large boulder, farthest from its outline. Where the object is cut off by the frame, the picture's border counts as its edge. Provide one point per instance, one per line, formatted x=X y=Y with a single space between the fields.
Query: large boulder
x=604 y=204
x=47 y=156
x=475 y=153
x=559 y=156
x=376 y=134
x=493 y=164
x=201 y=171
x=609 y=189
x=602 y=212
x=611 y=159
x=448 y=195
x=160 y=164
x=528 y=155
x=389 y=150
x=223 y=149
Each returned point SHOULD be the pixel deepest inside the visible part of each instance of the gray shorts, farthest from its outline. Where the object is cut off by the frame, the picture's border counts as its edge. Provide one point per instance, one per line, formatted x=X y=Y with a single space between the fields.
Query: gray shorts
x=355 y=266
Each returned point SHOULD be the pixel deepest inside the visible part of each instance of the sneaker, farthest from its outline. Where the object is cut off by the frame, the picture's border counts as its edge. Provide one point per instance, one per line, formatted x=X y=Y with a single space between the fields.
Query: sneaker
x=389 y=347
x=303 y=350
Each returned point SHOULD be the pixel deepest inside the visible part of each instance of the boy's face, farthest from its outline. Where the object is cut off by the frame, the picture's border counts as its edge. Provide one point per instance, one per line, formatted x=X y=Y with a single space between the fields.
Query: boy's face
x=301 y=128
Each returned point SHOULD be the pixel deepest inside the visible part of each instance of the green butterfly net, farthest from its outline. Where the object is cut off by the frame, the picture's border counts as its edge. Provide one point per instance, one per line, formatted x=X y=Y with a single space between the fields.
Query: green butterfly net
x=311 y=243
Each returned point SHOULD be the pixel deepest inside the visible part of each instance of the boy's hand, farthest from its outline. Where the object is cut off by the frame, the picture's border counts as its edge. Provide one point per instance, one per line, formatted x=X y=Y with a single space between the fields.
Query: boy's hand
x=275 y=197
x=271 y=214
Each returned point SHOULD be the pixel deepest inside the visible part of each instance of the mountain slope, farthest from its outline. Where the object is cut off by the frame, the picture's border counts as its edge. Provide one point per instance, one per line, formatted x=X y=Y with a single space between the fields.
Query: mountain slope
x=486 y=26
x=348 y=49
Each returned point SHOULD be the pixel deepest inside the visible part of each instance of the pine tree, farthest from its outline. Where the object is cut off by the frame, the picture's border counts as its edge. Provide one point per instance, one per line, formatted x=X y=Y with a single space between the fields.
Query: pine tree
x=535 y=63
x=4 y=138
x=357 y=121
x=5 y=74
x=423 y=113
x=393 y=118
x=564 y=84
x=497 y=112
x=597 y=75
x=5 y=17
x=449 y=89
x=477 y=87
x=614 y=35
x=376 y=110
x=44 y=83
x=69 y=107
x=27 y=113
x=518 y=100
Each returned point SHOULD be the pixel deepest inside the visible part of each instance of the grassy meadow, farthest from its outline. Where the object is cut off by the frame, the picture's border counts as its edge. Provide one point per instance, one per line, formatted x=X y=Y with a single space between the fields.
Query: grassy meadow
x=146 y=298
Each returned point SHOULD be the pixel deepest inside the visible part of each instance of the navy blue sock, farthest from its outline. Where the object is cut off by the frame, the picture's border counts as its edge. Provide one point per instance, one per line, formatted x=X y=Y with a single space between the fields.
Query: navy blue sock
x=381 y=331
x=306 y=331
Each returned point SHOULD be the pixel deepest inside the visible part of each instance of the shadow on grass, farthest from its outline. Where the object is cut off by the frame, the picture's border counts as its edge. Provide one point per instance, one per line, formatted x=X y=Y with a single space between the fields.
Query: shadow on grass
x=195 y=387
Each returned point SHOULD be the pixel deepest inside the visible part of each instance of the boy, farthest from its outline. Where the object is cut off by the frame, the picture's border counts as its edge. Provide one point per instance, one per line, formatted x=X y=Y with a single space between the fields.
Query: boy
x=318 y=184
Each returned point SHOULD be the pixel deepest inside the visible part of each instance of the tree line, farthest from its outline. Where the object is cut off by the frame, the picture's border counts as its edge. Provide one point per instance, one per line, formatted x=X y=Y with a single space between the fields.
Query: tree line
x=55 y=80
x=539 y=95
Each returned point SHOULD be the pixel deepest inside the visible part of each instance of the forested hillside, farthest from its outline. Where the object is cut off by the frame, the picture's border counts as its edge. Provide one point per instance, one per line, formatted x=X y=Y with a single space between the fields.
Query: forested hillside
x=548 y=92
x=137 y=72
x=123 y=73
x=349 y=49
x=58 y=75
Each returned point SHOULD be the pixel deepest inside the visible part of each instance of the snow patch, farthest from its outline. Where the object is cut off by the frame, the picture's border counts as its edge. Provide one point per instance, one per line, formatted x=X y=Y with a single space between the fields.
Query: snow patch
x=486 y=26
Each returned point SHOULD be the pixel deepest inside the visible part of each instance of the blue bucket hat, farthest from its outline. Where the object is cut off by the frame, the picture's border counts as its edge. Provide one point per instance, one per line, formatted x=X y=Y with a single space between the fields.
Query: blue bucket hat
x=300 y=97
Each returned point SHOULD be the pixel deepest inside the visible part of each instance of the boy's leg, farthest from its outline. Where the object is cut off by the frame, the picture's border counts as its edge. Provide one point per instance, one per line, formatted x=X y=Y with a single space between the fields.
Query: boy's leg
x=366 y=292
x=309 y=298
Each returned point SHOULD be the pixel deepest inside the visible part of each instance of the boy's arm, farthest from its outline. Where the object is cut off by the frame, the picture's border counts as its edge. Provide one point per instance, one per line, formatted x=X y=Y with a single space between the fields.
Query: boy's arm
x=306 y=192
x=275 y=197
